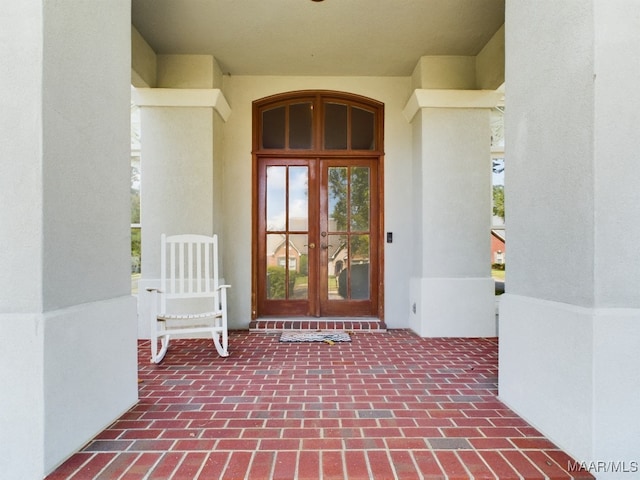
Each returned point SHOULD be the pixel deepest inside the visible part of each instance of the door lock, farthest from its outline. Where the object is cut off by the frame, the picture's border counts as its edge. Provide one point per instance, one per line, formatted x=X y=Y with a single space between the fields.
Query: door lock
x=311 y=245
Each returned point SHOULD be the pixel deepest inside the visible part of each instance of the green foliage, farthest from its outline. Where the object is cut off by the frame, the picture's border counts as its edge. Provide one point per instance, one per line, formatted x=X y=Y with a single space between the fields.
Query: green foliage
x=498 y=201
x=351 y=210
x=356 y=208
x=276 y=282
x=135 y=206
x=135 y=195
x=135 y=218
x=304 y=265
x=338 y=188
x=135 y=250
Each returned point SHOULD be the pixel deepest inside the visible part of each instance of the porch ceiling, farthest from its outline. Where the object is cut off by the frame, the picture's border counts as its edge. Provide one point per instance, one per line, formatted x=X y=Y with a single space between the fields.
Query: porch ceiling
x=331 y=37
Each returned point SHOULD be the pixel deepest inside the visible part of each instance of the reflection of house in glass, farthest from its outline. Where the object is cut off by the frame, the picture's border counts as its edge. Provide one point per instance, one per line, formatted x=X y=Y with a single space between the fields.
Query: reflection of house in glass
x=354 y=271
x=348 y=266
x=279 y=250
x=288 y=261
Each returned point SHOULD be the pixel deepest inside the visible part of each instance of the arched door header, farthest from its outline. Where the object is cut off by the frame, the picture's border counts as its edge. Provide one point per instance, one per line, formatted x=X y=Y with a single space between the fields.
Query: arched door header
x=323 y=122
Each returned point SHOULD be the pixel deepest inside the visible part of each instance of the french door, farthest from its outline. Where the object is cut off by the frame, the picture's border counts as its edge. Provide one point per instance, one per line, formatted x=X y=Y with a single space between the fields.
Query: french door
x=317 y=212
x=318 y=241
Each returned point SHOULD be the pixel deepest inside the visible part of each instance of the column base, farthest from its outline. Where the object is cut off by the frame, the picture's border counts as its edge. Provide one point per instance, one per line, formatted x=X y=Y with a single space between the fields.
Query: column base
x=453 y=307
x=144 y=306
x=574 y=374
x=70 y=372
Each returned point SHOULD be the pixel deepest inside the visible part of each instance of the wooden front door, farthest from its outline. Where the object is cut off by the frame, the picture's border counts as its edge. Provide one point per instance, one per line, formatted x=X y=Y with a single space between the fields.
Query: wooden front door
x=317 y=247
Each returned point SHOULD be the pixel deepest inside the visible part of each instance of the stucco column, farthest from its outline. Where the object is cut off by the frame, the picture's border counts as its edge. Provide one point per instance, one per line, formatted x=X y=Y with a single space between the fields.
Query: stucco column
x=68 y=362
x=452 y=292
x=570 y=322
x=181 y=178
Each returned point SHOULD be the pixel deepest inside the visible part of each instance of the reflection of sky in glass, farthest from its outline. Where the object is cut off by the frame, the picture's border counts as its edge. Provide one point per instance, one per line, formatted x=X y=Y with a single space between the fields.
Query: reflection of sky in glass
x=498 y=178
x=276 y=182
x=298 y=197
x=276 y=195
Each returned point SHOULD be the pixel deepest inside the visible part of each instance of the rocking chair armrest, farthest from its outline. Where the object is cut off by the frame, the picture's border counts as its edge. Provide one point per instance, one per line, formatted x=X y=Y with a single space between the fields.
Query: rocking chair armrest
x=220 y=287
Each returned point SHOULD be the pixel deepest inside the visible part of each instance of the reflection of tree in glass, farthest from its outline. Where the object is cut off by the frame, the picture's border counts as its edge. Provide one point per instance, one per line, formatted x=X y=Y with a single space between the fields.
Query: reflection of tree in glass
x=338 y=189
x=360 y=199
x=351 y=212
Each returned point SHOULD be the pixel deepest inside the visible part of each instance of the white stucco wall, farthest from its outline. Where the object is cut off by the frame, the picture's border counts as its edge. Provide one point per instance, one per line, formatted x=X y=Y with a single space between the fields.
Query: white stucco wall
x=452 y=292
x=616 y=147
x=456 y=178
x=551 y=143
x=187 y=71
x=84 y=73
x=445 y=72
x=20 y=158
x=490 y=63
x=21 y=365
x=570 y=322
x=143 y=62
x=177 y=172
x=67 y=320
x=240 y=92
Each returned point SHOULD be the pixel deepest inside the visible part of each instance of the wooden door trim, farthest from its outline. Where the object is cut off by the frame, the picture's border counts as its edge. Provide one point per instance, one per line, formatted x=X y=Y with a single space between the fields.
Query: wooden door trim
x=360 y=308
x=316 y=97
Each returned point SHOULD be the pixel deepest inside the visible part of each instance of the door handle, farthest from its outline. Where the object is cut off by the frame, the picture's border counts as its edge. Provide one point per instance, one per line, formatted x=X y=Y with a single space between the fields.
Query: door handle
x=324 y=246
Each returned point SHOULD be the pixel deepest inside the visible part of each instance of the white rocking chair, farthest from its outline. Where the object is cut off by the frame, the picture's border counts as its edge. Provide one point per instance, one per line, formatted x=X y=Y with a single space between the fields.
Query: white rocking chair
x=190 y=300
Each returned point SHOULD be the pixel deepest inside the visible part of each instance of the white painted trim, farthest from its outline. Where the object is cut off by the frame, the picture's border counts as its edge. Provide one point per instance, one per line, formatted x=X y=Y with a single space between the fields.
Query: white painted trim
x=423 y=98
x=187 y=97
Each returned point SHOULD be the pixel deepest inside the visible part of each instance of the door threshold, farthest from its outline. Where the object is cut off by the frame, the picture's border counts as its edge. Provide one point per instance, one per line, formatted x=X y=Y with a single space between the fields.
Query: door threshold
x=360 y=324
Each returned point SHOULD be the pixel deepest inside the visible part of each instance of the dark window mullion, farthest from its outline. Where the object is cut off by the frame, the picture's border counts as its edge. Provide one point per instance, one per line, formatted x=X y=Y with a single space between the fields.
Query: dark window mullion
x=349 y=109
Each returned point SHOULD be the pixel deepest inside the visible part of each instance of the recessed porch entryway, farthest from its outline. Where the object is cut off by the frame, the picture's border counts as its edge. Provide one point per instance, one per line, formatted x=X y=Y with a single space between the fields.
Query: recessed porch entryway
x=384 y=406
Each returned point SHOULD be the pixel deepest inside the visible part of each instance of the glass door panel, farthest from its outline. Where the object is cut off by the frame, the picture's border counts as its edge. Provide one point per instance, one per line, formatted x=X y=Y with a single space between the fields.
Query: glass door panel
x=359 y=193
x=359 y=267
x=362 y=129
x=348 y=237
x=337 y=271
x=348 y=253
x=274 y=128
x=300 y=123
x=335 y=126
x=285 y=243
x=276 y=198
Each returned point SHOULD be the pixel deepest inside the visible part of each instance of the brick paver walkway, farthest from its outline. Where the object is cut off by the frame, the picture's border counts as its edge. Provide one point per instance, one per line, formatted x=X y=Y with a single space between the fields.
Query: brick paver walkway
x=384 y=406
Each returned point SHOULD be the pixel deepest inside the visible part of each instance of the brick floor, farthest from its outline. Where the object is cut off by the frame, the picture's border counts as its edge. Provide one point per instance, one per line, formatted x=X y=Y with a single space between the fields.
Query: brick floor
x=384 y=406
